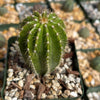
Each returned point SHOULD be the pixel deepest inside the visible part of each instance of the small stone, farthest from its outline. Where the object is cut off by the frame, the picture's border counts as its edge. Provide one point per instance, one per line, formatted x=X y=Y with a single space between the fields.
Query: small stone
x=54 y=87
x=10 y=79
x=6 y=93
x=21 y=74
x=63 y=70
x=67 y=92
x=68 y=59
x=78 y=80
x=79 y=90
x=73 y=85
x=69 y=86
x=57 y=75
x=59 y=92
x=65 y=96
x=43 y=96
x=10 y=74
x=8 y=83
x=54 y=93
x=93 y=82
x=21 y=83
x=73 y=94
x=69 y=63
x=96 y=95
x=15 y=98
x=32 y=86
x=24 y=72
x=66 y=66
x=7 y=98
x=10 y=70
x=16 y=79
x=48 y=85
x=90 y=95
x=50 y=97
x=17 y=94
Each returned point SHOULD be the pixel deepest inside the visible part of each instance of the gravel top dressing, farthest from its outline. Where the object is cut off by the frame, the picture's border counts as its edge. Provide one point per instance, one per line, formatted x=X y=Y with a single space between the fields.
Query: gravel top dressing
x=23 y=84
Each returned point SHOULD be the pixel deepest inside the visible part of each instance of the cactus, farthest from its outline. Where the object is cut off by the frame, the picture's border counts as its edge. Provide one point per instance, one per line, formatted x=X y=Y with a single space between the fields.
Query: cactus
x=98 y=6
x=68 y=5
x=2 y=40
x=95 y=63
x=3 y=10
x=84 y=32
x=42 y=41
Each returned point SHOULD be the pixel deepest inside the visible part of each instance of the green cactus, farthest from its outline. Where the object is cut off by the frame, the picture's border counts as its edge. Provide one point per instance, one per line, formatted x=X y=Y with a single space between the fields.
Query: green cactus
x=98 y=6
x=3 y=10
x=68 y=5
x=2 y=40
x=95 y=63
x=42 y=42
x=84 y=32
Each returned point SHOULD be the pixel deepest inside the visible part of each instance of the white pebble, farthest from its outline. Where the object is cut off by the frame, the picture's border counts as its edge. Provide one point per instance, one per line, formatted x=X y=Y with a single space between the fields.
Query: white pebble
x=78 y=80
x=10 y=74
x=57 y=75
x=10 y=70
x=17 y=94
x=21 y=83
x=90 y=95
x=16 y=79
x=73 y=94
x=43 y=96
x=96 y=95
x=15 y=98
x=7 y=98
x=32 y=86
x=79 y=90
x=66 y=66
x=93 y=82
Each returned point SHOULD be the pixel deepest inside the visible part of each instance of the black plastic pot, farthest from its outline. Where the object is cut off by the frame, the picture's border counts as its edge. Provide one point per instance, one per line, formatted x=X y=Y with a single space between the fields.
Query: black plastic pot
x=86 y=88
x=12 y=40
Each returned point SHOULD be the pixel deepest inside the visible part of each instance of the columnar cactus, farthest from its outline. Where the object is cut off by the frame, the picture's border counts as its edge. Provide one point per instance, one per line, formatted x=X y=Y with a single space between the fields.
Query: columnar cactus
x=42 y=41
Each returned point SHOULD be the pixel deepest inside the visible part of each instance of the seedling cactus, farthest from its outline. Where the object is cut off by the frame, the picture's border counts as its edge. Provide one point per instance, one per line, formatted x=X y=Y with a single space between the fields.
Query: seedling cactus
x=68 y=5
x=2 y=40
x=3 y=10
x=95 y=63
x=42 y=41
x=84 y=32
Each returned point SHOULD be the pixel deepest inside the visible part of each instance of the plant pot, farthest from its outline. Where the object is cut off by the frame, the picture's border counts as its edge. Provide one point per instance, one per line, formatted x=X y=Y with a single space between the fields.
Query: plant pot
x=85 y=58
x=41 y=85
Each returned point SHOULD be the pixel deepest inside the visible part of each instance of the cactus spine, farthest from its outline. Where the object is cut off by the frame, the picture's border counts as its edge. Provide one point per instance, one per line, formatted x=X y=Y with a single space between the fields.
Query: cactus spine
x=42 y=41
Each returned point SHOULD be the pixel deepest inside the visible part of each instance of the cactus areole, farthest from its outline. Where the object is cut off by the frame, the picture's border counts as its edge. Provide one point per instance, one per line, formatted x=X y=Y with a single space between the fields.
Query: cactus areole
x=42 y=42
